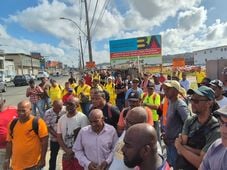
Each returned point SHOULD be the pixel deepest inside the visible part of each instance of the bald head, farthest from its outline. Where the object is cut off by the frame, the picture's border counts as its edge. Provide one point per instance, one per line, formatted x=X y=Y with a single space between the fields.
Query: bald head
x=140 y=147
x=24 y=103
x=96 y=119
x=57 y=106
x=24 y=110
x=136 y=115
x=142 y=134
x=96 y=113
x=57 y=103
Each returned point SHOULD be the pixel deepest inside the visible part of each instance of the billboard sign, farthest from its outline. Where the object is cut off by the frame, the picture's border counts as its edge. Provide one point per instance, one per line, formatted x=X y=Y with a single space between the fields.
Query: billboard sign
x=147 y=50
x=178 y=62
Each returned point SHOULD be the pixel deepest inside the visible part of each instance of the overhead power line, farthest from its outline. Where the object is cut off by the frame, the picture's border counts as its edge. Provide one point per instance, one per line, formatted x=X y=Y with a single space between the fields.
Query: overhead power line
x=101 y=15
x=92 y=20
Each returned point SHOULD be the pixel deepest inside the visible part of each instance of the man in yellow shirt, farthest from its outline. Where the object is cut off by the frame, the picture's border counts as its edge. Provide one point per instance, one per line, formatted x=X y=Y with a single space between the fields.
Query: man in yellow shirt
x=152 y=100
x=83 y=93
x=25 y=147
x=55 y=91
x=110 y=88
x=200 y=75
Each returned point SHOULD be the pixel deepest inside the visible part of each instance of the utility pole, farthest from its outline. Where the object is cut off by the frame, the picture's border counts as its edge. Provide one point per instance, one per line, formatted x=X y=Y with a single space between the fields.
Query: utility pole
x=81 y=52
x=88 y=32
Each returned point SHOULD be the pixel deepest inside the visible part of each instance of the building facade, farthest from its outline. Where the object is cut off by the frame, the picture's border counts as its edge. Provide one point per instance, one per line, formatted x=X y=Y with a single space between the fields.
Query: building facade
x=201 y=56
x=24 y=64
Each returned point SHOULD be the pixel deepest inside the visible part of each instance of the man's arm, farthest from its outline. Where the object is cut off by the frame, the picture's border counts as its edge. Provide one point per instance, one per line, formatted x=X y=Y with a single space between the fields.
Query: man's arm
x=111 y=154
x=189 y=155
x=67 y=150
x=44 y=146
x=28 y=92
x=78 y=149
x=8 y=155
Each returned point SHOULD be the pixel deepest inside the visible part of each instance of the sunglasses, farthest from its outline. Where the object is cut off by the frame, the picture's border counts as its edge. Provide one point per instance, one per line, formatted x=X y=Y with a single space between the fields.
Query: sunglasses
x=222 y=122
x=196 y=101
x=69 y=104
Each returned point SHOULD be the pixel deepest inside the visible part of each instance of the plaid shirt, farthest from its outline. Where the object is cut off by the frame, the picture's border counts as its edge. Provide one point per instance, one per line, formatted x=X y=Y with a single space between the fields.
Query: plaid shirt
x=51 y=119
x=34 y=94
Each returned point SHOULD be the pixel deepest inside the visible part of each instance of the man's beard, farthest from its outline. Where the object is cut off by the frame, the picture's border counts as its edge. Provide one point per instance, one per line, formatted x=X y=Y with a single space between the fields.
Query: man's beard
x=136 y=160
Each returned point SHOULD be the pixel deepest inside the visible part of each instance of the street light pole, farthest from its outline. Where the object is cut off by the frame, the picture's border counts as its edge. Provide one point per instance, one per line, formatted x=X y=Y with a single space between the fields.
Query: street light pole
x=81 y=51
x=88 y=32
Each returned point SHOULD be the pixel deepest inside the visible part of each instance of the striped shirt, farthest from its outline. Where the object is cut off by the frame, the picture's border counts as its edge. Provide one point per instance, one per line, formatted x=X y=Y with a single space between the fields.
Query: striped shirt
x=34 y=93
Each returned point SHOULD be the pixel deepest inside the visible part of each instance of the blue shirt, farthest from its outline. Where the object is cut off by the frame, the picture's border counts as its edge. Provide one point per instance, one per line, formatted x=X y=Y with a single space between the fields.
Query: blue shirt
x=215 y=158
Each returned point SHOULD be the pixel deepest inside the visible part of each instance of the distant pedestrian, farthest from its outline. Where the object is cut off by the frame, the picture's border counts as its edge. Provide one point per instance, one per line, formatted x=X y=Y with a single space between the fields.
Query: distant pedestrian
x=34 y=93
x=184 y=82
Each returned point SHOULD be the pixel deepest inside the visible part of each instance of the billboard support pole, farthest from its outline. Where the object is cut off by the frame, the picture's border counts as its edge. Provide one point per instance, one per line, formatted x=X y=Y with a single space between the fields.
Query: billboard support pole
x=138 y=64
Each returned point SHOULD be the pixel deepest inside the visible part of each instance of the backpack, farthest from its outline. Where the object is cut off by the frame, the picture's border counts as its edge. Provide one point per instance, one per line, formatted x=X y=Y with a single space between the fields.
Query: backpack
x=196 y=140
x=35 y=125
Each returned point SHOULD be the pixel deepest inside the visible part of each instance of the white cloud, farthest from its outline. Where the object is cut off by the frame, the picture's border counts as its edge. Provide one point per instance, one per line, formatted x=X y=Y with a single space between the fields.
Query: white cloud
x=150 y=13
x=192 y=20
x=137 y=20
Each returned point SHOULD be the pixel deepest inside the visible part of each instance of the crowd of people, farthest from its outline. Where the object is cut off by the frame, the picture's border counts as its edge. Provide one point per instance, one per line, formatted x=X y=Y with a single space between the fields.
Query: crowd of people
x=103 y=121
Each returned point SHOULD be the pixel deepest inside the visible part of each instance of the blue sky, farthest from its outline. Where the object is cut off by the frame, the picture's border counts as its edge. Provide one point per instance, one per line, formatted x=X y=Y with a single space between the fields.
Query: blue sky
x=185 y=26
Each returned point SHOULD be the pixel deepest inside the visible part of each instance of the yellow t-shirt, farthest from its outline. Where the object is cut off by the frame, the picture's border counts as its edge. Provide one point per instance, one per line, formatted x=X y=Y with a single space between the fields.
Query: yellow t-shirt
x=200 y=76
x=154 y=99
x=26 y=146
x=85 y=89
x=55 y=93
x=64 y=92
x=110 y=88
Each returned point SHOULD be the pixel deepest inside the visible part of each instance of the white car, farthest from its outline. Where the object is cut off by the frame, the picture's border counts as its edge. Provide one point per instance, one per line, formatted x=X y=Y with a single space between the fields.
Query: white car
x=42 y=74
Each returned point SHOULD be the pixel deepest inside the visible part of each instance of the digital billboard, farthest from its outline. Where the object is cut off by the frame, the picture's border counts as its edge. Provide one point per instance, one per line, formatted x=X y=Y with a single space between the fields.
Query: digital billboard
x=147 y=50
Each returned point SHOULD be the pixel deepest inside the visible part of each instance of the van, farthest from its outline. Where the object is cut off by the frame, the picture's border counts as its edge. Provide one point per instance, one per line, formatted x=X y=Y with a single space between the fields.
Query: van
x=42 y=74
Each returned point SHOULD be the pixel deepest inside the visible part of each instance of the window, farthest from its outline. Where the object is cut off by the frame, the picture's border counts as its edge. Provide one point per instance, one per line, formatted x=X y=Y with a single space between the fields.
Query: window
x=221 y=49
x=205 y=52
x=210 y=51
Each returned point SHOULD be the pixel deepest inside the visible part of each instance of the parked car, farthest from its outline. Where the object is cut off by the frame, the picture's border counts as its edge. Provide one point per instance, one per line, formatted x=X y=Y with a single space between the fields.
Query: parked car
x=2 y=86
x=20 y=80
x=42 y=74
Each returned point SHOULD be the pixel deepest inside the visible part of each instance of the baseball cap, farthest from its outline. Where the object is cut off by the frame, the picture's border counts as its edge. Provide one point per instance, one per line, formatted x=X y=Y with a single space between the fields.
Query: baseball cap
x=156 y=75
x=150 y=85
x=216 y=83
x=134 y=96
x=136 y=80
x=175 y=84
x=70 y=90
x=203 y=91
x=221 y=112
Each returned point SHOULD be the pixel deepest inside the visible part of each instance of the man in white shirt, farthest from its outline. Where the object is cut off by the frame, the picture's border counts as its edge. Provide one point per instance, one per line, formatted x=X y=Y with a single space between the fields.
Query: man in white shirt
x=68 y=128
x=217 y=86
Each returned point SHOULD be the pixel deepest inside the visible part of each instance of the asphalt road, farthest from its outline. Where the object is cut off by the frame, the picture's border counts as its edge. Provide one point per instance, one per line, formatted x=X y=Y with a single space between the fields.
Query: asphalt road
x=14 y=95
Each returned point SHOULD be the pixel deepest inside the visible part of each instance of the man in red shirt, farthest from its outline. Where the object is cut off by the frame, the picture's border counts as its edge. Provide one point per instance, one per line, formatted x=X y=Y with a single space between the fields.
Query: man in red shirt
x=6 y=115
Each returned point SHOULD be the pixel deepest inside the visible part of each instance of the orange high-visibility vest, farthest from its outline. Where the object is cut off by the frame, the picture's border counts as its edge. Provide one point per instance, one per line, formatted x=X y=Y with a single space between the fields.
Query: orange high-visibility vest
x=164 y=111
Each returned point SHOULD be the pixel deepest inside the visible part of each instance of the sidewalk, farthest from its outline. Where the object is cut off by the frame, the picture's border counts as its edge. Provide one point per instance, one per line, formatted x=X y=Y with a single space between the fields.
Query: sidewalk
x=59 y=162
